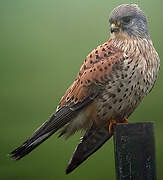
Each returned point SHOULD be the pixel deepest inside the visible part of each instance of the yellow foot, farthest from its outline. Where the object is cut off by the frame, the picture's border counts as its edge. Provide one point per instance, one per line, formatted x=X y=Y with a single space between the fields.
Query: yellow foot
x=125 y=121
x=112 y=123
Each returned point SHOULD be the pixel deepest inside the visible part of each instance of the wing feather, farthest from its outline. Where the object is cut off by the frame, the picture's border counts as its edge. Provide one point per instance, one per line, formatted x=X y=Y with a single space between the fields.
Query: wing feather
x=55 y=122
x=93 y=139
x=97 y=65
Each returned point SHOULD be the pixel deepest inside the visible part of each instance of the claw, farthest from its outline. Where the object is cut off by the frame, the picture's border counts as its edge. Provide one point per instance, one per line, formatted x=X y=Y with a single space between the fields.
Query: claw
x=125 y=121
x=112 y=123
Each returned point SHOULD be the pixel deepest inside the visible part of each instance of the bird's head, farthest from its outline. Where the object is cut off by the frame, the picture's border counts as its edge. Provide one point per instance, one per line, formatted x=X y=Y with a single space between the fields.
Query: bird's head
x=128 y=19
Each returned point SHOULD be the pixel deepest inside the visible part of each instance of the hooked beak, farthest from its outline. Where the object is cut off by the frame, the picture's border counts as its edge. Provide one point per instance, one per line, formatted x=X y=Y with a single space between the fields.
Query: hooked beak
x=114 y=28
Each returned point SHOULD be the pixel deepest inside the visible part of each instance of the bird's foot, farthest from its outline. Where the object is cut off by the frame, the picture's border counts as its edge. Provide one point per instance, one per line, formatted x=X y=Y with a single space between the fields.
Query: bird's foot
x=112 y=123
x=125 y=121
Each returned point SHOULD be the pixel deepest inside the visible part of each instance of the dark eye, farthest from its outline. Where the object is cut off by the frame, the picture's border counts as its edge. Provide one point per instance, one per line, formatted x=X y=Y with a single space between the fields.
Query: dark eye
x=126 y=20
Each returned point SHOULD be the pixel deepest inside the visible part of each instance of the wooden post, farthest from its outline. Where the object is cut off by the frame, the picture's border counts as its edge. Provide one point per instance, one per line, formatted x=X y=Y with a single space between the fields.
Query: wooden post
x=135 y=151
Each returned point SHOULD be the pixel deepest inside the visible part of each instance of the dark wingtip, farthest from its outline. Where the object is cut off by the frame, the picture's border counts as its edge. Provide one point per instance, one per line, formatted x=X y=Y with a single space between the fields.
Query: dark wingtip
x=89 y=144
x=69 y=170
x=74 y=163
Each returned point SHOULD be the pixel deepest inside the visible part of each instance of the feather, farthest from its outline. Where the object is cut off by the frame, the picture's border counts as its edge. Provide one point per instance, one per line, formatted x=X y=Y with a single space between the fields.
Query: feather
x=55 y=122
x=90 y=143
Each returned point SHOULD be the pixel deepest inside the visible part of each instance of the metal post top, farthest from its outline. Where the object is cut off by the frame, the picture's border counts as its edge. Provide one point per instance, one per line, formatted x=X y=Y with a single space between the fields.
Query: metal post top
x=136 y=124
x=133 y=127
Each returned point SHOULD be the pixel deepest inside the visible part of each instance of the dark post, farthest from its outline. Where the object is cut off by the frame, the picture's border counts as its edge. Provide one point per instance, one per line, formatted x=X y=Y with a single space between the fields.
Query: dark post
x=135 y=151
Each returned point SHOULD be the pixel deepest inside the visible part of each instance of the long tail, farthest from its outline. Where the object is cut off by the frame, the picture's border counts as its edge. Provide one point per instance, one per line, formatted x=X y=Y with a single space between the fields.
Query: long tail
x=55 y=122
x=90 y=143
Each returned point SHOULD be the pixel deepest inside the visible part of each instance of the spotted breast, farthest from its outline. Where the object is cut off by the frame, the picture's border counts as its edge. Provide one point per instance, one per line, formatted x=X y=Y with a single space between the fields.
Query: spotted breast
x=131 y=79
x=123 y=72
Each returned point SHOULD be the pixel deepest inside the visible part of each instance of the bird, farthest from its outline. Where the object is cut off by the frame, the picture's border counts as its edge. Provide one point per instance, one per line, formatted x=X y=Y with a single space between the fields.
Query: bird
x=111 y=83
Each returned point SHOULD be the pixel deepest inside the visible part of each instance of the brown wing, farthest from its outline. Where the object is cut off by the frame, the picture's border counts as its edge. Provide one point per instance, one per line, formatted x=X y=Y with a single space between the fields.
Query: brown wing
x=96 y=66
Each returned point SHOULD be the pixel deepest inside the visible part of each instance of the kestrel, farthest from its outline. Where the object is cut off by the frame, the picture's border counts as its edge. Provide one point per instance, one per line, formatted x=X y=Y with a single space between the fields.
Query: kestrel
x=111 y=83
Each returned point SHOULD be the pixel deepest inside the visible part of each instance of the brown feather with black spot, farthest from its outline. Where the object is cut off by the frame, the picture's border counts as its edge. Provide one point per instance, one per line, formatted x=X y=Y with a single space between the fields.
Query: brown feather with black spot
x=96 y=66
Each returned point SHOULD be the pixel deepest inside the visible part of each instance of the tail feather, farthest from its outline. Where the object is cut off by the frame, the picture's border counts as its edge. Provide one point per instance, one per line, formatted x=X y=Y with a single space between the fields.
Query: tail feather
x=90 y=143
x=28 y=146
x=55 y=122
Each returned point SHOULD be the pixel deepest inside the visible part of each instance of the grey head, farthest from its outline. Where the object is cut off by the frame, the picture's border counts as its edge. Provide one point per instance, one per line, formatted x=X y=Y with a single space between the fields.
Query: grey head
x=130 y=19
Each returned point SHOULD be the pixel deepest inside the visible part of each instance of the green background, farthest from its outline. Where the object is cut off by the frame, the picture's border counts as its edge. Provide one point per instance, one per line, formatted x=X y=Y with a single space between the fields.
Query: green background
x=42 y=46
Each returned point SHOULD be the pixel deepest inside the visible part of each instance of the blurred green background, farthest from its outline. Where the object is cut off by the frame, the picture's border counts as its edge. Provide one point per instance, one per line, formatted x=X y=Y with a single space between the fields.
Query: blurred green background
x=42 y=46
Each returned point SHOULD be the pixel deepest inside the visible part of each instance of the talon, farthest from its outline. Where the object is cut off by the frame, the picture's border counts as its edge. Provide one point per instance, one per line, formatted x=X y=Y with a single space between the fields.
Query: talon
x=112 y=123
x=125 y=121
